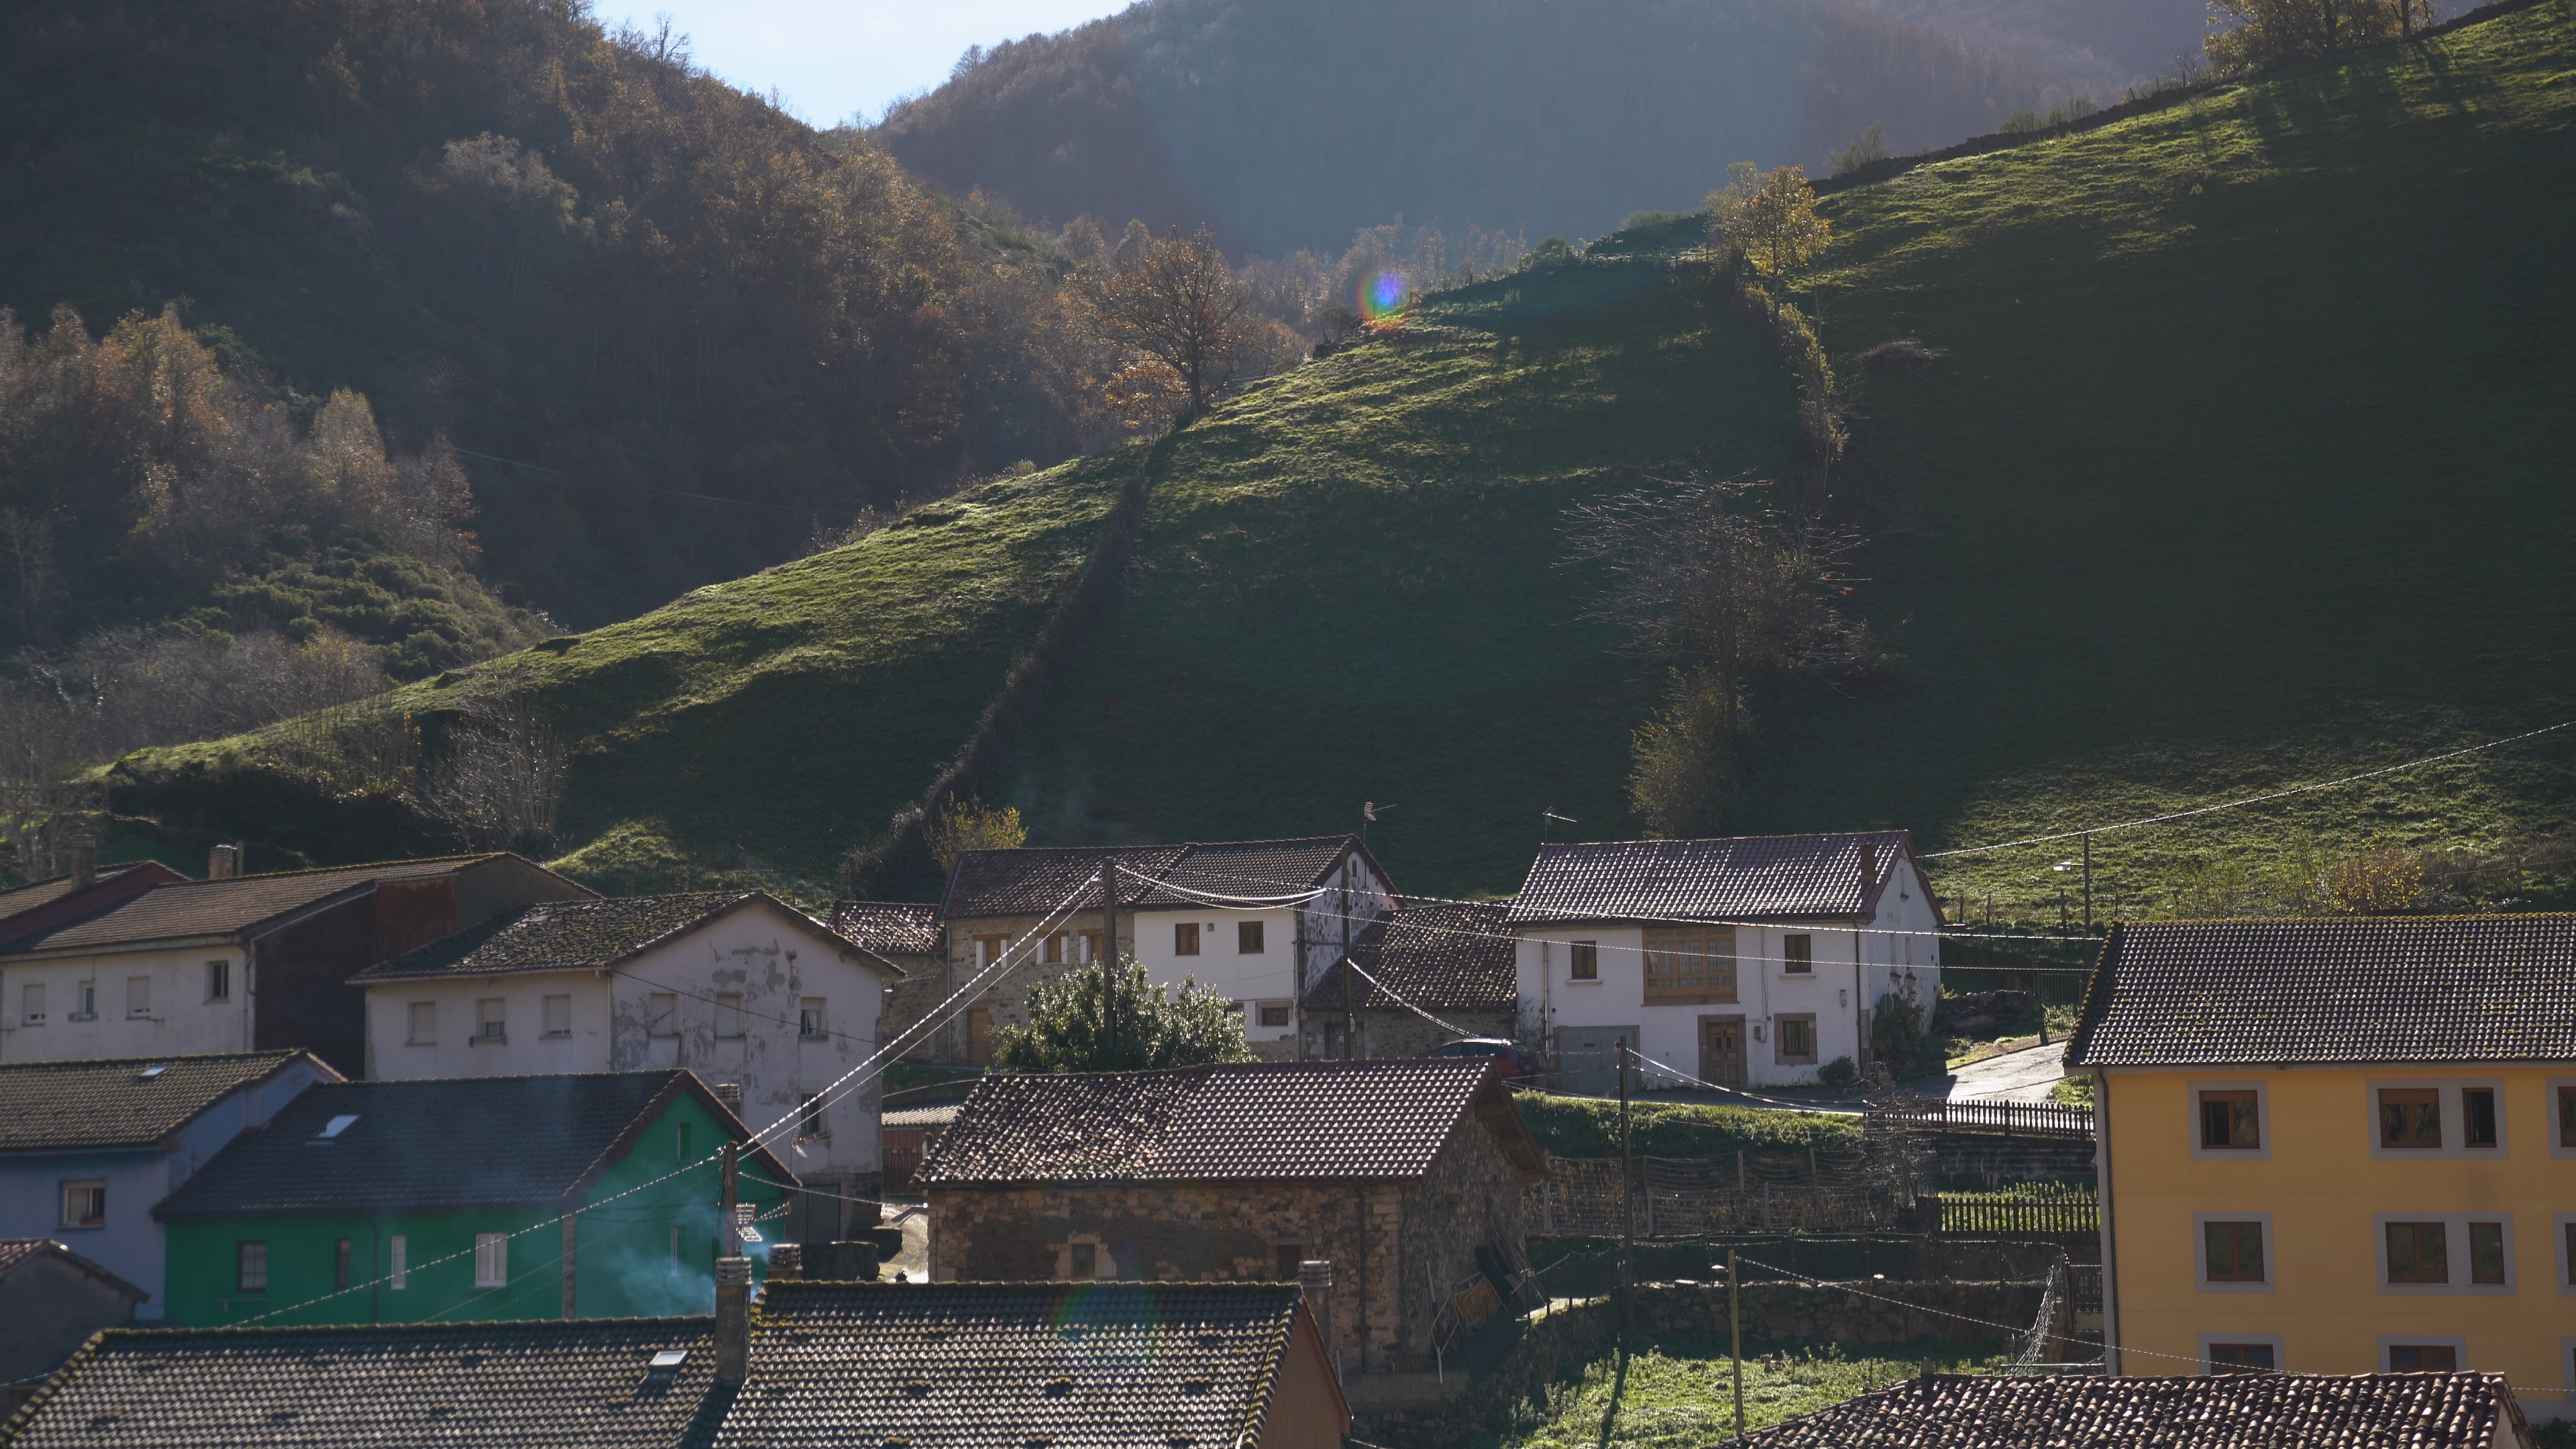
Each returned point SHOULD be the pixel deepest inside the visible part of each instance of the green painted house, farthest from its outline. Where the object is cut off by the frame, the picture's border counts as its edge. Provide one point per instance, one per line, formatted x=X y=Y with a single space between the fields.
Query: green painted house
x=587 y=1195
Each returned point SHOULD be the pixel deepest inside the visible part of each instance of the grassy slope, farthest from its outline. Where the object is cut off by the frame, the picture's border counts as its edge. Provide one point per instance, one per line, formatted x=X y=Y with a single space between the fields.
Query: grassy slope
x=2248 y=468
x=1679 y=1393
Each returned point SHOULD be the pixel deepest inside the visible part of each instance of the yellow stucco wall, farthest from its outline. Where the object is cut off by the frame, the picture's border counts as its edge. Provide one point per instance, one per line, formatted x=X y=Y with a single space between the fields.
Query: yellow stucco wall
x=2326 y=1182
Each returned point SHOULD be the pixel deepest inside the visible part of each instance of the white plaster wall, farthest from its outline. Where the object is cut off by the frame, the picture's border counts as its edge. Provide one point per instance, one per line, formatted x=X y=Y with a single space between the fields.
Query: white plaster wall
x=454 y=1051
x=1270 y=975
x=182 y=1019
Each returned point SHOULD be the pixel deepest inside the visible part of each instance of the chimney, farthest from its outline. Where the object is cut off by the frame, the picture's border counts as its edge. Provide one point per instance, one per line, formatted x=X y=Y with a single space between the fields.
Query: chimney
x=1868 y=865
x=786 y=1260
x=84 y=864
x=223 y=862
x=733 y=1320
x=730 y=1093
x=1315 y=1281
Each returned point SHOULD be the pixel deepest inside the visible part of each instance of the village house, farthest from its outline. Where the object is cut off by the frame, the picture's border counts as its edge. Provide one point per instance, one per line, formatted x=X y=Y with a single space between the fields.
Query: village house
x=2338 y=1146
x=87 y=1148
x=1298 y=906
x=956 y=1366
x=1749 y=961
x=2310 y=1411
x=238 y=963
x=573 y=1196
x=86 y=889
x=740 y=987
x=51 y=1300
x=908 y=936
x=1452 y=962
x=1396 y=1173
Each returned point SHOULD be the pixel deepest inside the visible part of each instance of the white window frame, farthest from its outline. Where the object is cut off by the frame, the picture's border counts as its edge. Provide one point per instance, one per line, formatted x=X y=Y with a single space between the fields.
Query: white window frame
x=1573 y=951
x=85 y=1001
x=400 y=1257
x=662 y=1014
x=2200 y=1252
x=1286 y=1023
x=2458 y=1345
x=31 y=1004
x=1786 y=965
x=547 y=1018
x=491 y=1260
x=63 y=1203
x=2455 y=1250
x=487 y=1026
x=219 y=979
x=729 y=1016
x=813 y=1023
x=134 y=1012
x=2262 y=1091
x=240 y=1262
x=2558 y=1144
x=412 y=1024
x=2280 y=1351
x=2455 y=1134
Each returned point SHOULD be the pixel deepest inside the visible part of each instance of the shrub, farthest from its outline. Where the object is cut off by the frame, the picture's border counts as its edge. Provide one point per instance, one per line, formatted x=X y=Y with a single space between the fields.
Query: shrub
x=1868 y=146
x=1840 y=1072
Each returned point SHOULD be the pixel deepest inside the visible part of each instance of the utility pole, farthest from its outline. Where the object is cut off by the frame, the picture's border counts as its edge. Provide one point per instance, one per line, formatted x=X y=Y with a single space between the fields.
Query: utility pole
x=2088 y=882
x=1350 y=1015
x=1735 y=1330
x=1109 y=958
x=1627 y=1198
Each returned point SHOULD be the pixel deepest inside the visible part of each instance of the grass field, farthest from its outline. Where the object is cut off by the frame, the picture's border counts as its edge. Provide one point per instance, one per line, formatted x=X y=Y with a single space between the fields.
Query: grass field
x=1680 y=1393
x=2247 y=467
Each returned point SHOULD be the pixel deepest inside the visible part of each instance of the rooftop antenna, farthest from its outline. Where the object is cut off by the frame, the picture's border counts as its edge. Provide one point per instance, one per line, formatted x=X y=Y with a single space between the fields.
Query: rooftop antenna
x=1545 y=816
x=1368 y=817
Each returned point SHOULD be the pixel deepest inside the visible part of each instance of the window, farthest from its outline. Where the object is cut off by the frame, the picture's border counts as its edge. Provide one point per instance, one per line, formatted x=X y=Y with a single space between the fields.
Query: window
x=2567 y=1279
x=219 y=980
x=1690 y=965
x=491 y=1260
x=559 y=1015
x=2567 y=1117
x=424 y=1023
x=728 y=1014
x=810 y=1123
x=85 y=1001
x=1276 y=1013
x=681 y=1139
x=340 y=1266
x=250 y=1266
x=2478 y=1116
x=2486 y=1253
x=31 y=1003
x=2423 y=1358
x=1090 y=947
x=1796 y=1040
x=2418 y=1253
x=398 y=1257
x=1051 y=951
x=2233 y=1252
x=491 y=1019
x=138 y=996
x=1247 y=938
x=988 y=949
x=1285 y=1258
x=662 y=1014
x=1185 y=938
x=85 y=1204
x=1085 y=1260
x=1798 y=955
x=809 y=1018
x=2237 y=1358
x=2230 y=1120
x=2410 y=1117
x=1583 y=960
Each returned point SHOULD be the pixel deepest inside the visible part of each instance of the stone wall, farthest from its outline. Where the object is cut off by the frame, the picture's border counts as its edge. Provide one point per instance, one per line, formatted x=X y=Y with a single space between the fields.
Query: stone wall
x=1472 y=1196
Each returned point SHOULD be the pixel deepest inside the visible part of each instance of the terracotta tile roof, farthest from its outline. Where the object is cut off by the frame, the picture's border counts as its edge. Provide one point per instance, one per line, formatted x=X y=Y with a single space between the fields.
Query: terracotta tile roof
x=990 y=883
x=1249 y=1121
x=1747 y=876
x=2225 y=1411
x=225 y=907
x=559 y=936
x=1457 y=957
x=436 y=1145
x=537 y=1385
x=54 y=1106
x=898 y=928
x=18 y=900
x=16 y=1252
x=2346 y=989
x=1009 y=1365
x=918 y=1119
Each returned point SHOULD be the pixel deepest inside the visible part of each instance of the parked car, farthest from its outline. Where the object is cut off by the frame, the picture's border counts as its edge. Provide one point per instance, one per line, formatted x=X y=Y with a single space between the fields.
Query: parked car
x=1484 y=1046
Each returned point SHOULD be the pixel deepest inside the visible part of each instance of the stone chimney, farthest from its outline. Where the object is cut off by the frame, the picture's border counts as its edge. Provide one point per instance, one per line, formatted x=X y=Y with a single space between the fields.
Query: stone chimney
x=84 y=864
x=1868 y=864
x=1315 y=1280
x=733 y=1320
x=223 y=862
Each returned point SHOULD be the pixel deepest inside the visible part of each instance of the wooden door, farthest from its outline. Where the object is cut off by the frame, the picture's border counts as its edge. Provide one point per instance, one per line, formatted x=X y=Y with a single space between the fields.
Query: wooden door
x=1721 y=1050
x=979 y=1036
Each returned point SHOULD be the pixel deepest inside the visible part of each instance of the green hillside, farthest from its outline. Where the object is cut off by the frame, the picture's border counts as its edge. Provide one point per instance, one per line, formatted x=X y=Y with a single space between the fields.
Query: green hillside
x=2238 y=474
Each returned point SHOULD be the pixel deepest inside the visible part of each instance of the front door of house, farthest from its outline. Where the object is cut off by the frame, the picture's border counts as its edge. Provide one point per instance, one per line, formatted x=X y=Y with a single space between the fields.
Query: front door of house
x=1721 y=1050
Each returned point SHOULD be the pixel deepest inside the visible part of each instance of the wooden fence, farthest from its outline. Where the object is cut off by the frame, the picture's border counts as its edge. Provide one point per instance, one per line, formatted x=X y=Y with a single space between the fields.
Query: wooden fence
x=1999 y=1212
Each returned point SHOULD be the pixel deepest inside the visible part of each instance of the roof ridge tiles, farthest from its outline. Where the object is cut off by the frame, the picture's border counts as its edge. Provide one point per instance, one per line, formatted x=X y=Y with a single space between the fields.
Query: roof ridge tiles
x=337 y=869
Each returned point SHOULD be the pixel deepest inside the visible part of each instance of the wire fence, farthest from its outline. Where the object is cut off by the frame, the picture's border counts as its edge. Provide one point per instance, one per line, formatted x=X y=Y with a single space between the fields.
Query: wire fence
x=2056 y=1214
x=1716 y=1196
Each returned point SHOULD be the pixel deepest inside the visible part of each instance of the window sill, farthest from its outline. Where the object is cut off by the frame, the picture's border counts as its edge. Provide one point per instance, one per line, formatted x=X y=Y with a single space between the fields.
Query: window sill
x=488 y=1040
x=557 y=1035
x=82 y=1016
x=1582 y=981
x=80 y=1227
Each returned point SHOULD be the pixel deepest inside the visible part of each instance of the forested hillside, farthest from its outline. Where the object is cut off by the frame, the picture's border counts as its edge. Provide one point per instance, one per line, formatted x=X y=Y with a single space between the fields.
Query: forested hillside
x=1290 y=126
x=694 y=326
x=2231 y=463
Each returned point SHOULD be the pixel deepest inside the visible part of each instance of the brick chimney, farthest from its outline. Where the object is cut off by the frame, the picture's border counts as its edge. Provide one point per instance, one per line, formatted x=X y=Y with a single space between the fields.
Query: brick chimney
x=1868 y=865
x=84 y=864
x=223 y=862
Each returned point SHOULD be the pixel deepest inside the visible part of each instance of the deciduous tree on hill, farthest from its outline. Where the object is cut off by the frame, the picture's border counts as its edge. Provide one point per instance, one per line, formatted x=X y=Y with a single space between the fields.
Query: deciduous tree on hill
x=1180 y=307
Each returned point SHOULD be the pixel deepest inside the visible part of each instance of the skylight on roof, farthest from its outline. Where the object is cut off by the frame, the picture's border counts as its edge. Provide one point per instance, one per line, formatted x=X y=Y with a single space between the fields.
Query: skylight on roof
x=148 y=1073
x=337 y=1125
x=670 y=1358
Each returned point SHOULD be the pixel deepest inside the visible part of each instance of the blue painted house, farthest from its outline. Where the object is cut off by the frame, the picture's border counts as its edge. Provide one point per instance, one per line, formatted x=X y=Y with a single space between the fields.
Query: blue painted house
x=88 y=1148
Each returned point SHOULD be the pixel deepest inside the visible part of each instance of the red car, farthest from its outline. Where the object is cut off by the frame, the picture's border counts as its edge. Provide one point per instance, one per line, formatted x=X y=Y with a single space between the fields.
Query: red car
x=1484 y=1046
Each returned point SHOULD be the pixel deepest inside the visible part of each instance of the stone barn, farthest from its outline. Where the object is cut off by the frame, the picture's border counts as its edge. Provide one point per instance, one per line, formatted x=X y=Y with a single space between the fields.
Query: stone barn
x=1396 y=1172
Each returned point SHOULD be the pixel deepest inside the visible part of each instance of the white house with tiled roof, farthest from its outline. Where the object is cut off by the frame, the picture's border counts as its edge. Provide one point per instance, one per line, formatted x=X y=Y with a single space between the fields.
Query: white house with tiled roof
x=1747 y=961
x=1256 y=919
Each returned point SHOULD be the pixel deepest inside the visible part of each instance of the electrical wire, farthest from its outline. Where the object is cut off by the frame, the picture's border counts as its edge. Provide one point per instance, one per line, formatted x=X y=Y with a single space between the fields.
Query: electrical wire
x=1400 y=1001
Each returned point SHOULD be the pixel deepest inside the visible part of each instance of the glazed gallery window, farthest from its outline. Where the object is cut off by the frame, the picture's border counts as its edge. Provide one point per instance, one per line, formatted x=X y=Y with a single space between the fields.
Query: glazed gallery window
x=2234 y=1251
x=1583 y=960
x=2230 y=1120
x=2410 y=1117
x=1690 y=965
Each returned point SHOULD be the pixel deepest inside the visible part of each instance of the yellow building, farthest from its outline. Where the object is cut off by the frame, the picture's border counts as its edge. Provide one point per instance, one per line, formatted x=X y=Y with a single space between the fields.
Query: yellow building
x=2339 y=1146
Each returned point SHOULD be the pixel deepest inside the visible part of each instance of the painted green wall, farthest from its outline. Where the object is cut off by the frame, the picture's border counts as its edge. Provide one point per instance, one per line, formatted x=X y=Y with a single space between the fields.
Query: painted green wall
x=624 y=1257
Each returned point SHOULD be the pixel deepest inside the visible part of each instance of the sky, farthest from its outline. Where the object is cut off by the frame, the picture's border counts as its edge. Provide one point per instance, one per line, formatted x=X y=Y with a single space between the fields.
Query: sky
x=835 y=59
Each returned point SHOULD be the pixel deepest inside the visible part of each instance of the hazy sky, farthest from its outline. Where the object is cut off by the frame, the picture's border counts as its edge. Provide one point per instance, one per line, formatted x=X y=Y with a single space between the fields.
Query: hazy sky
x=836 y=58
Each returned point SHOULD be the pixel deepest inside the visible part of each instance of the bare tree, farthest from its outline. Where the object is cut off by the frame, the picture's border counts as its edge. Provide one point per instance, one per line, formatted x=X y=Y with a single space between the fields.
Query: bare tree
x=501 y=782
x=35 y=578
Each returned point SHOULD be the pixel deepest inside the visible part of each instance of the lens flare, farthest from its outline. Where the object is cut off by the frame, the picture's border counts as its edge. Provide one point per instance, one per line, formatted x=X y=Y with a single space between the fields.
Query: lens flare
x=1386 y=295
